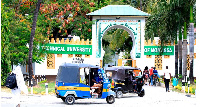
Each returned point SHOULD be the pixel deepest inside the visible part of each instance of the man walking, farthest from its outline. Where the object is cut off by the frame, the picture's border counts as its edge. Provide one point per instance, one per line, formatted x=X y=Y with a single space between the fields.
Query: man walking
x=167 y=77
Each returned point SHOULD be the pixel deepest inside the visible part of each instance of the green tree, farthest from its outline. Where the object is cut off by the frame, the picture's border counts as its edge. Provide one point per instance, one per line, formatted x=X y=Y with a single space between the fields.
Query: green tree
x=6 y=18
x=68 y=17
x=116 y=41
x=17 y=38
x=166 y=19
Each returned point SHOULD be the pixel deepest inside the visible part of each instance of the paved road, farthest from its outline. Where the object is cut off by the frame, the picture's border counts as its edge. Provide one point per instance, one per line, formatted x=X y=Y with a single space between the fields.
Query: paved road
x=154 y=97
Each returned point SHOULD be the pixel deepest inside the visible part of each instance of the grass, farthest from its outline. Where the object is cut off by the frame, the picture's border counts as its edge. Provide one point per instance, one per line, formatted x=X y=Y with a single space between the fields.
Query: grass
x=38 y=89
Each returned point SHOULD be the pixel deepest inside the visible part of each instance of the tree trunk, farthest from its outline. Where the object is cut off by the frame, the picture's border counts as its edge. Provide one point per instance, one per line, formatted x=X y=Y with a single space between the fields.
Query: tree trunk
x=176 y=60
x=30 y=69
x=191 y=48
x=180 y=55
x=185 y=53
x=184 y=58
x=141 y=5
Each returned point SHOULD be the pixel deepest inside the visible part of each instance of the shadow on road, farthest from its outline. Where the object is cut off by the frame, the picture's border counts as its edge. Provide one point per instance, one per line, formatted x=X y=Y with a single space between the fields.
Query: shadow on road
x=130 y=96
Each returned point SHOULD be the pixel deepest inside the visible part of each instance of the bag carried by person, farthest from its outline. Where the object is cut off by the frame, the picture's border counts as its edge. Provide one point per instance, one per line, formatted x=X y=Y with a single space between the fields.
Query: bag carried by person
x=11 y=81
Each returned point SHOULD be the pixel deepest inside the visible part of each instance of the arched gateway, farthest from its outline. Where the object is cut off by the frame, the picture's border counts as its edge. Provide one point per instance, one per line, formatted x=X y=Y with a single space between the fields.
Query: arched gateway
x=117 y=16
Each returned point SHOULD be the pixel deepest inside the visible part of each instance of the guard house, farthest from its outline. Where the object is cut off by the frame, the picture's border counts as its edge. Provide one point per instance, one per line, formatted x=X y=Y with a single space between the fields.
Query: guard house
x=124 y=17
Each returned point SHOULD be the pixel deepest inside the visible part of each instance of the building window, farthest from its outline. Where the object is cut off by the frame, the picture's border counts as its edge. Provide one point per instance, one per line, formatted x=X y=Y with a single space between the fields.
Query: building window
x=188 y=62
x=59 y=55
x=78 y=55
x=158 y=62
x=167 y=56
x=148 y=56
x=70 y=55
x=51 y=61
x=87 y=56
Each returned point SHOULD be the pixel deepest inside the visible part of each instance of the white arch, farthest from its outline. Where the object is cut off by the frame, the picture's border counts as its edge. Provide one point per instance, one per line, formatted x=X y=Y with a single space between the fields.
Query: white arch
x=130 y=34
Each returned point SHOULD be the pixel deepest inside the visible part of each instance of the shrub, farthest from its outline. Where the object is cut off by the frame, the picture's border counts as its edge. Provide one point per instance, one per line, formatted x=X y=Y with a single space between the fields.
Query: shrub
x=195 y=81
x=186 y=90
x=179 y=76
x=35 y=92
x=43 y=93
x=44 y=81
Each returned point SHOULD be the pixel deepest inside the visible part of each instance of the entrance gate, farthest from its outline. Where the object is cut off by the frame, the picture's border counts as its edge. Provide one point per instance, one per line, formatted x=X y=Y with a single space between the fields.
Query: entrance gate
x=118 y=16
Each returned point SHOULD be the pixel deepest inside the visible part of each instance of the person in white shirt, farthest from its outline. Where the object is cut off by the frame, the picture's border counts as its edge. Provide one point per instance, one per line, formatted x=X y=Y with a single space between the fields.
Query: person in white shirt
x=167 y=77
x=20 y=86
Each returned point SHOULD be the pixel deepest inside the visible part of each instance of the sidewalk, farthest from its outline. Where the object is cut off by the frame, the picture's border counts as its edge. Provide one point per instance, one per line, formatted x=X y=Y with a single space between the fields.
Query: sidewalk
x=171 y=87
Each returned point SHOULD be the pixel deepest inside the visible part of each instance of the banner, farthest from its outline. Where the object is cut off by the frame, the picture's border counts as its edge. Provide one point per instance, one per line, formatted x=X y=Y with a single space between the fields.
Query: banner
x=68 y=49
x=155 y=50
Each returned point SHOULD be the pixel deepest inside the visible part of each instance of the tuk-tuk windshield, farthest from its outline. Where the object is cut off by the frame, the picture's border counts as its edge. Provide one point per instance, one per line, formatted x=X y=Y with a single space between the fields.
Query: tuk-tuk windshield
x=69 y=74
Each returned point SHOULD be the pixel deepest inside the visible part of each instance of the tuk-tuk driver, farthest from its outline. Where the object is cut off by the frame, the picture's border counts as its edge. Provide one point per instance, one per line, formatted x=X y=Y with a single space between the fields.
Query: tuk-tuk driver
x=95 y=84
x=135 y=83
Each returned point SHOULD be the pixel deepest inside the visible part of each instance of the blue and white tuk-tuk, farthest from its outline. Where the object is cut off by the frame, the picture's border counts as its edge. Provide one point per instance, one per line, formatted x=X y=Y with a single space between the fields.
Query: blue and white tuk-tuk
x=75 y=81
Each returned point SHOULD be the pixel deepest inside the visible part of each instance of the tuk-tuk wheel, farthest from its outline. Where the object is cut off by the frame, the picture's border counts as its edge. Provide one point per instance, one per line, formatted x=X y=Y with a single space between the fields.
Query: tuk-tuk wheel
x=70 y=99
x=110 y=99
x=119 y=94
x=141 y=94
x=63 y=99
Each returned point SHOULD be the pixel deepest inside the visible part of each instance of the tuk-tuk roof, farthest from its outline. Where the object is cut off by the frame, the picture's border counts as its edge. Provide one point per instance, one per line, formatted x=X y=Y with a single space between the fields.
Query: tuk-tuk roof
x=70 y=72
x=79 y=65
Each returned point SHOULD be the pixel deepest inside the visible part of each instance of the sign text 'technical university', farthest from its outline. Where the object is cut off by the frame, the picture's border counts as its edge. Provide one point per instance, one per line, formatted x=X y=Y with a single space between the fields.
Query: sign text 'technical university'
x=68 y=49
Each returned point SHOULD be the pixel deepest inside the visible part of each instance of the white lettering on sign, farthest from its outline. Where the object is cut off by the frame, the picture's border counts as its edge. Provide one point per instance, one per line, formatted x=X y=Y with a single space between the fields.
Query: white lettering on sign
x=78 y=49
x=52 y=48
x=167 y=50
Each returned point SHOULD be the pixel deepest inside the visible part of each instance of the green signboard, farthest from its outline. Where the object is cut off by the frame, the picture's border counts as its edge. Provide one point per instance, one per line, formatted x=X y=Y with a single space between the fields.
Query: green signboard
x=68 y=49
x=138 y=55
x=155 y=50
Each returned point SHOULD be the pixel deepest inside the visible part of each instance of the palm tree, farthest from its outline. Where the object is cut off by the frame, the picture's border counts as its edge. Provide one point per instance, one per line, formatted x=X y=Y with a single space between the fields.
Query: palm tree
x=191 y=46
x=184 y=53
x=30 y=68
x=176 y=58
x=180 y=51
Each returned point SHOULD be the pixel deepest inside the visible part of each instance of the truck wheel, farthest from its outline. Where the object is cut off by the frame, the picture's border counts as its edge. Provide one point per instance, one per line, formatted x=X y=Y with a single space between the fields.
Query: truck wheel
x=110 y=99
x=70 y=99
x=119 y=94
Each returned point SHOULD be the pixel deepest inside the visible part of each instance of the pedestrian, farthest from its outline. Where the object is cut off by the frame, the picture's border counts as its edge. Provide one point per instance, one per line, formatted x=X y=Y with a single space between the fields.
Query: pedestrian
x=155 y=72
x=151 y=76
x=167 y=77
x=145 y=74
x=20 y=86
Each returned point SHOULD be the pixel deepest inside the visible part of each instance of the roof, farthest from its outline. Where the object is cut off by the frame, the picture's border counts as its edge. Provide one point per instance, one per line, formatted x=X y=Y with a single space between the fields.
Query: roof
x=118 y=10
